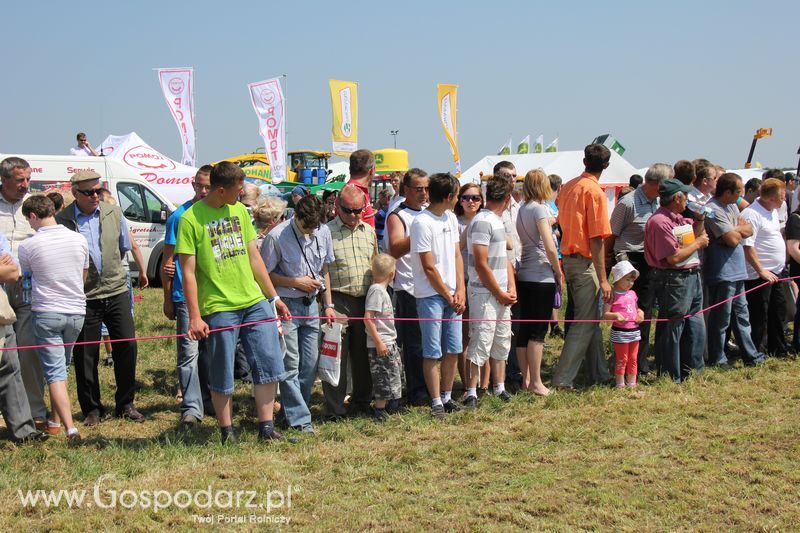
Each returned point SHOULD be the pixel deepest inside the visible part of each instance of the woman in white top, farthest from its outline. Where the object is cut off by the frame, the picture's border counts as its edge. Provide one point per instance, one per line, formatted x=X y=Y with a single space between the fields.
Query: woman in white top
x=538 y=277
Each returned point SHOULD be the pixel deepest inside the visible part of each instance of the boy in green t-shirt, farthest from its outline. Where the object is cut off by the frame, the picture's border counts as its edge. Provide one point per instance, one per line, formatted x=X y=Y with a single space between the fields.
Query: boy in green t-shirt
x=224 y=283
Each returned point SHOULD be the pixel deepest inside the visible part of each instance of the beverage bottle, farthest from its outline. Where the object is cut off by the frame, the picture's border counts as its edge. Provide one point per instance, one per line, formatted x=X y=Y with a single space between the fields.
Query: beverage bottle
x=27 y=286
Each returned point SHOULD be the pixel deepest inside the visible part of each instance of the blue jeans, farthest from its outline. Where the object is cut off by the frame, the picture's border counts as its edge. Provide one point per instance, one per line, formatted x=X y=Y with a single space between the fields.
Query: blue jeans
x=735 y=313
x=442 y=336
x=56 y=328
x=679 y=342
x=300 y=361
x=260 y=341
x=192 y=367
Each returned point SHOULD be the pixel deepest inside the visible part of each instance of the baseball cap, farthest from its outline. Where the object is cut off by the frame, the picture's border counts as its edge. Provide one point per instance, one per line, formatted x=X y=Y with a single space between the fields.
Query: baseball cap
x=671 y=186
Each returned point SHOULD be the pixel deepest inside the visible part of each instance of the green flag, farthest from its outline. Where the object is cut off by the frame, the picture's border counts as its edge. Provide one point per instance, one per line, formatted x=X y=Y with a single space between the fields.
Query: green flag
x=553 y=146
x=539 y=146
x=617 y=147
x=525 y=146
x=506 y=148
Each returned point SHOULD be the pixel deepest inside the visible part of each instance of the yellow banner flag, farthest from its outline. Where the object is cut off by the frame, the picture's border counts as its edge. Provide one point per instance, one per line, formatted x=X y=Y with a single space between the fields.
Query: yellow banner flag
x=446 y=98
x=344 y=102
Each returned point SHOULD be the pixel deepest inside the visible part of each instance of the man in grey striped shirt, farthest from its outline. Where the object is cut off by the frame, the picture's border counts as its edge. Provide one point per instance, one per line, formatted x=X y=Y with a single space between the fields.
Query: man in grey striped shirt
x=491 y=291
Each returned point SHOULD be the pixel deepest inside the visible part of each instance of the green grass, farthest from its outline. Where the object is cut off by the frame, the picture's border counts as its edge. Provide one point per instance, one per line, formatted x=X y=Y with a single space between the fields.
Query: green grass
x=717 y=453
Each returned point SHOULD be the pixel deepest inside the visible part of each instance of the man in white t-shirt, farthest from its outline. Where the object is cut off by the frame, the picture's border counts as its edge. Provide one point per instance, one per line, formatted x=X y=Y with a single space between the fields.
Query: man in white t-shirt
x=765 y=252
x=491 y=291
x=83 y=148
x=439 y=289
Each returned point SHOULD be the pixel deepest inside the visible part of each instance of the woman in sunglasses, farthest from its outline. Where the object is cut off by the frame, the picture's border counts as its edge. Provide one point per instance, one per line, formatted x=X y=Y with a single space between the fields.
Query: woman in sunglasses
x=470 y=201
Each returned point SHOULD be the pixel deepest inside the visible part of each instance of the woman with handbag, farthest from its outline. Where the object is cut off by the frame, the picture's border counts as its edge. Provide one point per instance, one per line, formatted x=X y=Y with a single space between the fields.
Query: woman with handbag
x=539 y=278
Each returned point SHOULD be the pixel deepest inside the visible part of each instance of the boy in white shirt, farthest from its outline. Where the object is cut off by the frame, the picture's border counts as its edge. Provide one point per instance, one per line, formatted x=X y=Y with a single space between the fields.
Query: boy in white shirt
x=384 y=355
x=439 y=289
x=57 y=259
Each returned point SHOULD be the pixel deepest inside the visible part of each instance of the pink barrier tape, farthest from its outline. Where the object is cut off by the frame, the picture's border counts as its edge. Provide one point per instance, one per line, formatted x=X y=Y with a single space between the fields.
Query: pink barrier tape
x=521 y=320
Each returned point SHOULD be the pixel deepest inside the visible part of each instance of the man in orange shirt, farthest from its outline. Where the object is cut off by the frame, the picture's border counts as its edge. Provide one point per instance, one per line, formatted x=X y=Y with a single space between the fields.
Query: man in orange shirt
x=583 y=215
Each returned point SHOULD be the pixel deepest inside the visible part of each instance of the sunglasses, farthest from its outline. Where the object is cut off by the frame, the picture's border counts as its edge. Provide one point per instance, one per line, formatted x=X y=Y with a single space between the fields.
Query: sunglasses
x=90 y=192
x=349 y=211
x=471 y=197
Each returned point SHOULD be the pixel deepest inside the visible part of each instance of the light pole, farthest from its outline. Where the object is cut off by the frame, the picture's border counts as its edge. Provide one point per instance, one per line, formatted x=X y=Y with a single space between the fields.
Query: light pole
x=394 y=134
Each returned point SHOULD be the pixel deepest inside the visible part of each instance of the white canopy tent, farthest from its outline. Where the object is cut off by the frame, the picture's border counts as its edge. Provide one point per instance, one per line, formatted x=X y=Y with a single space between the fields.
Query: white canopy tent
x=566 y=164
x=169 y=177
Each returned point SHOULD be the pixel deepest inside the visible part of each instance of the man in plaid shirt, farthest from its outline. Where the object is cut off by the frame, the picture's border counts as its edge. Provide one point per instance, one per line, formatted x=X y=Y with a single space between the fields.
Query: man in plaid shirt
x=354 y=246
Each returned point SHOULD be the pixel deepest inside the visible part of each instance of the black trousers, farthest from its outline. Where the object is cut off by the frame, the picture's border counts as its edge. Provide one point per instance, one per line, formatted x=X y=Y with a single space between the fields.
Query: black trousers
x=767 y=307
x=115 y=312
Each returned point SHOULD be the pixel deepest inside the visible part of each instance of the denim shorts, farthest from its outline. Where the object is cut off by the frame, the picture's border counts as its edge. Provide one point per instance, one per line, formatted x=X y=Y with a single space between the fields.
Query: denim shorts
x=261 y=343
x=442 y=335
x=56 y=328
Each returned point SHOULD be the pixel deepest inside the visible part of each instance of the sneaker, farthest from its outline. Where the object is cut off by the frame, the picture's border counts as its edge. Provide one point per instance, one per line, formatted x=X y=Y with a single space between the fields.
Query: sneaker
x=451 y=407
x=381 y=415
x=73 y=438
x=53 y=428
x=482 y=392
x=228 y=437
x=275 y=436
x=189 y=421
x=36 y=436
x=471 y=403
x=505 y=396
x=437 y=411
x=307 y=429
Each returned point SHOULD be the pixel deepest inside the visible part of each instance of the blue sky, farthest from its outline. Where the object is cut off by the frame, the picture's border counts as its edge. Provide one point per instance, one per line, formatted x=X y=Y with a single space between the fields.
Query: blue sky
x=670 y=80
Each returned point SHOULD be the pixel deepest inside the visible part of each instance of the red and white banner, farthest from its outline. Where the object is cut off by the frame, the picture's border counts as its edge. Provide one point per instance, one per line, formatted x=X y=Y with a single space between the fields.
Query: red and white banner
x=267 y=98
x=176 y=84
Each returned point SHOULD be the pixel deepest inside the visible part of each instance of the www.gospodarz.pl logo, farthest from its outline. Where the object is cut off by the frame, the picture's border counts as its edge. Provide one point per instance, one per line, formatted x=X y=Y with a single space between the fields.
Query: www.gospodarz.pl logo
x=104 y=497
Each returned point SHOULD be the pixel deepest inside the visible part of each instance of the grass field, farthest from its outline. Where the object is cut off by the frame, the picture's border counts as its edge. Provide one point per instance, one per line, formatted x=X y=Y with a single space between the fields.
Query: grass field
x=717 y=453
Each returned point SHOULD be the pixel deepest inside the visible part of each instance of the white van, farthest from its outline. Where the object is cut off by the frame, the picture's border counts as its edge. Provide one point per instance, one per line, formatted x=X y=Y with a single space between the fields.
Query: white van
x=145 y=209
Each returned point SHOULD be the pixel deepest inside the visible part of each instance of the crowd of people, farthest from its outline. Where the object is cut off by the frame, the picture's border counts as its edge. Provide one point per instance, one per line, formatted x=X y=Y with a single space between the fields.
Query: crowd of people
x=432 y=281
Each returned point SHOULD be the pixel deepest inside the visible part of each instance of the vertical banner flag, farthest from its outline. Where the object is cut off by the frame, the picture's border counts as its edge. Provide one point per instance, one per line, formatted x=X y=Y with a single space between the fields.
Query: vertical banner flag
x=539 y=146
x=506 y=148
x=344 y=102
x=267 y=98
x=176 y=85
x=525 y=146
x=446 y=96
x=553 y=146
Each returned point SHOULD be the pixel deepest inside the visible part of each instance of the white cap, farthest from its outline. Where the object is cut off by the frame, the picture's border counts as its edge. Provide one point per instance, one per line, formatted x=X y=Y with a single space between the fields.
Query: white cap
x=622 y=269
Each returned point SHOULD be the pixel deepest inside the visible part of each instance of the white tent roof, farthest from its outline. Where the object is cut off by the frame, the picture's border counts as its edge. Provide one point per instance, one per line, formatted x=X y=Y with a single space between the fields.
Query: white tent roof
x=566 y=164
x=171 y=178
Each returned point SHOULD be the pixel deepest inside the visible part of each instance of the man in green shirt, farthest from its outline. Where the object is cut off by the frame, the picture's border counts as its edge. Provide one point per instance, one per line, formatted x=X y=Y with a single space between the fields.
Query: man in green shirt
x=224 y=283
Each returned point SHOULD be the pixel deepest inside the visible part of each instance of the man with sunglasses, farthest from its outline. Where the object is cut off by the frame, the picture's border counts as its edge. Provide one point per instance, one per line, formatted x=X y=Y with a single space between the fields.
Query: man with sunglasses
x=354 y=246
x=398 y=244
x=296 y=253
x=107 y=300
x=192 y=354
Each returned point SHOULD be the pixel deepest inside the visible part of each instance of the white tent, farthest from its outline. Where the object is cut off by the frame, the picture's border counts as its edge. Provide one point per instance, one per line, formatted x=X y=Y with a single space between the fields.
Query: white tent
x=566 y=164
x=171 y=178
